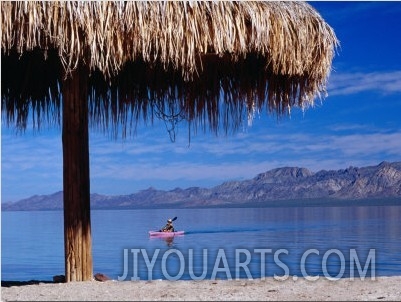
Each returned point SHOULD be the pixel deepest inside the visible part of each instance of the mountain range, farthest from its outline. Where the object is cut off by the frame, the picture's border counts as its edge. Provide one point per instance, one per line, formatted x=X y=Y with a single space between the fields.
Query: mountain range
x=278 y=187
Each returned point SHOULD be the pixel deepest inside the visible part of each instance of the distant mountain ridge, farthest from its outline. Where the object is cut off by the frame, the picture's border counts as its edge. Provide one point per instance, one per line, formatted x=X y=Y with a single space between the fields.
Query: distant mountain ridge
x=272 y=187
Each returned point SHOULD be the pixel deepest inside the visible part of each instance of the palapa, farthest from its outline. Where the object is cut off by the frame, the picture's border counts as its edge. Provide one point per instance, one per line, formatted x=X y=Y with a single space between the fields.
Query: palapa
x=112 y=63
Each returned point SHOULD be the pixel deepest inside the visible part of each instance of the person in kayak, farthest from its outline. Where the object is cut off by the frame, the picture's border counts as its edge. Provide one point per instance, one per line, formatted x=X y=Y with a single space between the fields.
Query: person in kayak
x=169 y=226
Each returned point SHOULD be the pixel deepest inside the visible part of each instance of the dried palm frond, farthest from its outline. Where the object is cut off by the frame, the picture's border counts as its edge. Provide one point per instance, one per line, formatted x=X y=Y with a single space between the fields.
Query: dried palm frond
x=215 y=59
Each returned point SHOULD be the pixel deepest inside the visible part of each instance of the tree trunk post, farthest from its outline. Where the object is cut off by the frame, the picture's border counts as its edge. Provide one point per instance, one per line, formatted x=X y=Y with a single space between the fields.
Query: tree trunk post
x=76 y=182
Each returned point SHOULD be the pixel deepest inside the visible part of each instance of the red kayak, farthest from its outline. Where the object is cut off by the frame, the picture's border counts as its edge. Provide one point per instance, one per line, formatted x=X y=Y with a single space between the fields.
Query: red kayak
x=165 y=234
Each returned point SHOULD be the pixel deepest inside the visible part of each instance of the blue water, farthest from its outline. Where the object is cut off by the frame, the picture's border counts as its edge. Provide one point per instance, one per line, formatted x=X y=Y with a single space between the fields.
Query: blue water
x=219 y=243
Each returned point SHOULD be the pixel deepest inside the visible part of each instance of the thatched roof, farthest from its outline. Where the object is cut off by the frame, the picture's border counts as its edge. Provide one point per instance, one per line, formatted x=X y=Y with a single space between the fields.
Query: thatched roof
x=209 y=62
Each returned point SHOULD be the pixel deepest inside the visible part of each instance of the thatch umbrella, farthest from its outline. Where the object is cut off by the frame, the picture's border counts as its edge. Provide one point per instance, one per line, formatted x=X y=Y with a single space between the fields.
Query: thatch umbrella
x=114 y=63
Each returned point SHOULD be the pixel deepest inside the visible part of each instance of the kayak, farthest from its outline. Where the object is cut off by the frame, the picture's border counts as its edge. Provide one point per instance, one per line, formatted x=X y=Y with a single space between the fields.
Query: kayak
x=165 y=234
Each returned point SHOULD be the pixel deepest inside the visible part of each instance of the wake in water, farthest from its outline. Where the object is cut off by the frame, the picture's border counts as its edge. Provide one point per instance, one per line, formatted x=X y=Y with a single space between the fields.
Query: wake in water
x=226 y=230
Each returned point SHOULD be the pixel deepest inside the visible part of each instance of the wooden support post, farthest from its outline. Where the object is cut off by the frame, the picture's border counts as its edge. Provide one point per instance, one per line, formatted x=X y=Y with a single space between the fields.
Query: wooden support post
x=76 y=182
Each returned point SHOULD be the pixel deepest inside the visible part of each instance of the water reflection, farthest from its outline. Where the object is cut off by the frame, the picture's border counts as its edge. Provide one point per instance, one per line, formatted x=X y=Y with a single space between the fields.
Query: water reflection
x=169 y=240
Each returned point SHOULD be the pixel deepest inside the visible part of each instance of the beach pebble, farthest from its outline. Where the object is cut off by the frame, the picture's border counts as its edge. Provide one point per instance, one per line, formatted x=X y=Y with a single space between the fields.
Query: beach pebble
x=101 y=277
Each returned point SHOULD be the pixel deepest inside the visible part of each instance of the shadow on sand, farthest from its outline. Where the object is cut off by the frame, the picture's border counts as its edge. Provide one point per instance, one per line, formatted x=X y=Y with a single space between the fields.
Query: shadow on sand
x=21 y=283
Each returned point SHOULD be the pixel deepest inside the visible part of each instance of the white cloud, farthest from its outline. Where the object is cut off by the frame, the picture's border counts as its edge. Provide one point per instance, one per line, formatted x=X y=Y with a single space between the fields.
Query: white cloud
x=352 y=83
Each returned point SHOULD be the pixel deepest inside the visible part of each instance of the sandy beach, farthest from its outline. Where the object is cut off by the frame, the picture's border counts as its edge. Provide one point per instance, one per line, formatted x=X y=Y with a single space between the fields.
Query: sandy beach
x=379 y=289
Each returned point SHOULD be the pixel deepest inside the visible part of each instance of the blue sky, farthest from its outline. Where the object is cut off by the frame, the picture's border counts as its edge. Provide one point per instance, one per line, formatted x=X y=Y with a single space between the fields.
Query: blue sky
x=358 y=124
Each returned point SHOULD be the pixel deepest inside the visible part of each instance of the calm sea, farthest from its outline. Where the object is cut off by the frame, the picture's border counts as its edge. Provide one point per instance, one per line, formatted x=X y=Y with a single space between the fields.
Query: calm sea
x=219 y=243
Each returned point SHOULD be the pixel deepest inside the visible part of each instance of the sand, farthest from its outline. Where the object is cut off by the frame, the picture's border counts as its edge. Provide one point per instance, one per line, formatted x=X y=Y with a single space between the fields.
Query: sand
x=381 y=288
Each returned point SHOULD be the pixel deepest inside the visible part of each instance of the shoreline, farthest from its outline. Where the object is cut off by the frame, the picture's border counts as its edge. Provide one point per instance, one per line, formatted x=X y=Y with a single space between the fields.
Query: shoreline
x=275 y=203
x=379 y=288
